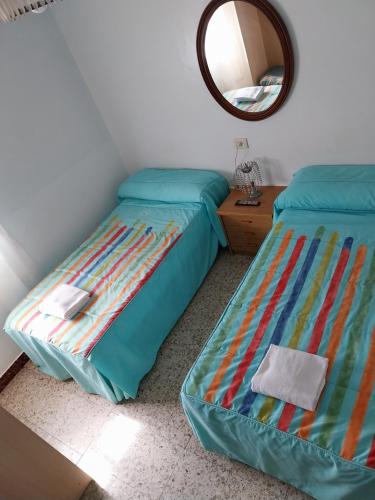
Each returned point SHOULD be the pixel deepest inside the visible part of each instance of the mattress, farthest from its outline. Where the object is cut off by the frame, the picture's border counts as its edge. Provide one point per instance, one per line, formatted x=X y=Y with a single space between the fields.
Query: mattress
x=311 y=287
x=132 y=266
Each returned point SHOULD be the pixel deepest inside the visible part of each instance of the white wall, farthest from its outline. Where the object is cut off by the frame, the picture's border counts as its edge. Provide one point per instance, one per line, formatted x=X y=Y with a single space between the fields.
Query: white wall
x=12 y=291
x=59 y=168
x=138 y=59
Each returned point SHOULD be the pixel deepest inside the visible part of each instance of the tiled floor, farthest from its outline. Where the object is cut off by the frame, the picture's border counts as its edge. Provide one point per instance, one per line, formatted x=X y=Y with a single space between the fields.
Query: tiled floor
x=144 y=448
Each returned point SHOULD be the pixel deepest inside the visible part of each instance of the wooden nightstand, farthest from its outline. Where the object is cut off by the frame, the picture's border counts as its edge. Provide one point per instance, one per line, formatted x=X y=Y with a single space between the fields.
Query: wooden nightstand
x=246 y=226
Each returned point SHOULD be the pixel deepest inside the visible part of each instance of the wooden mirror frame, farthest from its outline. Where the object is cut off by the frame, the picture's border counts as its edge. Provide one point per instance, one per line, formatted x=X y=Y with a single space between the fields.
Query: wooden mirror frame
x=270 y=12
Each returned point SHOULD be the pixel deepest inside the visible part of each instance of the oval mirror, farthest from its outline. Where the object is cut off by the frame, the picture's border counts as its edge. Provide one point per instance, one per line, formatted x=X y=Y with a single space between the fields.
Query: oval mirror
x=245 y=56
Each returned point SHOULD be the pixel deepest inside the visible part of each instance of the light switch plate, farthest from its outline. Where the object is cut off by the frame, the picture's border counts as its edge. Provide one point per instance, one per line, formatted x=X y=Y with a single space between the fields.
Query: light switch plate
x=241 y=143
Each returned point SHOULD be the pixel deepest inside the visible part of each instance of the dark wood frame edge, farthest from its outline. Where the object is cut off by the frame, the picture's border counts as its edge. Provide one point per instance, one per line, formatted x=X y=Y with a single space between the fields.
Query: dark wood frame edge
x=286 y=45
x=16 y=367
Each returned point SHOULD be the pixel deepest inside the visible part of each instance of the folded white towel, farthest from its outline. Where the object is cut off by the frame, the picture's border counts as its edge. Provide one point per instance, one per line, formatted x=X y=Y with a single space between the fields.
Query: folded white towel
x=248 y=94
x=64 y=301
x=293 y=376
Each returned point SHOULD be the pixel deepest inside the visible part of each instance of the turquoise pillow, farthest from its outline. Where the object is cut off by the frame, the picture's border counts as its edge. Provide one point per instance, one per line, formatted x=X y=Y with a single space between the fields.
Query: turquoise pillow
x=336 y=173
x=337 y=188
x=175 y=185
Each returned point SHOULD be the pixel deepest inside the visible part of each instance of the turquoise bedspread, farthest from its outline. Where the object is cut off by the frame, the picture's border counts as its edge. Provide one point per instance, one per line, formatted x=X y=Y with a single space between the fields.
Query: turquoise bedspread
x=311 y=287
x=127 y=350
x=142 y=266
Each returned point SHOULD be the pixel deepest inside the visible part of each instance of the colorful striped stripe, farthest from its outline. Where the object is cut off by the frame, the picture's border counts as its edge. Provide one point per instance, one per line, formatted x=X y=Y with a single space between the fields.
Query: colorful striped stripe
x=132 y=295
x=360 y=408
x=134 y=273
x=330 y=298
x=351 y=351
x=145 y=261
x=241 y=334
x=104 y=256
x=371 y=456
x=121 y=302
x=247 y=286
x=316 y=287
x=90 y=281
x=346 y=305
x=58 y=340
x=289 y=409
x=118 y=233
x=303 y=316
x=83 y=317
x=100 y=253
x=102 y=239
x=125 y=255
x=263 y=324
x=288 y=308
x=337 y=331
x=140 y=251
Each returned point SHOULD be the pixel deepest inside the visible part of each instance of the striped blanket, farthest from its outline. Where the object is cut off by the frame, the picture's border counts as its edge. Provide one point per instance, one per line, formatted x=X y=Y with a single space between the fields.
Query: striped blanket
x=113 y=265
x=312 y=287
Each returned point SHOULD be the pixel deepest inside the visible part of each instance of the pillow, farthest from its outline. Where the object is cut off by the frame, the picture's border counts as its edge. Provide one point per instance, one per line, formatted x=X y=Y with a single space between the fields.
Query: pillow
x=174 y=185
x=336 y=173
x=273 y=76
x=337 y=188
x=179 y=186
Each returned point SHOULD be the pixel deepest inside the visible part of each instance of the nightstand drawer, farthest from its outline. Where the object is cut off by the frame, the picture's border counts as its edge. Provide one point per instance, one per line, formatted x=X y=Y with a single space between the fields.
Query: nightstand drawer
x=246 y=234
x=248 y=227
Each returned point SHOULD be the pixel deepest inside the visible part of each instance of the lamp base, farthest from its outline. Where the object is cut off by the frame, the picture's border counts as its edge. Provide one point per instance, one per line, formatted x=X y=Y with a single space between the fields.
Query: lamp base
x=255 y=194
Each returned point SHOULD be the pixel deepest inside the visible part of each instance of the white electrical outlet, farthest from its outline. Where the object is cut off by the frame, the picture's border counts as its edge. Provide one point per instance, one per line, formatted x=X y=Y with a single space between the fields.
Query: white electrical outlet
x=241 y=143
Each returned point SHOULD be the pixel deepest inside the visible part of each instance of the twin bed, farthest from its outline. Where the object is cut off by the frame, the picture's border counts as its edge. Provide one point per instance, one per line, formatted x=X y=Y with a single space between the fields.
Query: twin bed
x=141 y=266
x=311 y=287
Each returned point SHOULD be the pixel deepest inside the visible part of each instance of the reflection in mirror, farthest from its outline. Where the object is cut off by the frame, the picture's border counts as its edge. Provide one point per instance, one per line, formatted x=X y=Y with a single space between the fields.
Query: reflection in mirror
x=244 y=56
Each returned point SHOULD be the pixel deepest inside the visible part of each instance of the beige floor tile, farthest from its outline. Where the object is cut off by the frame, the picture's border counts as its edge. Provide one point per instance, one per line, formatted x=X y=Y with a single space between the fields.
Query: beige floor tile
x=198 y=474
x=244 y=482
x=165 y=420
x=131 y=451
x=294 y=494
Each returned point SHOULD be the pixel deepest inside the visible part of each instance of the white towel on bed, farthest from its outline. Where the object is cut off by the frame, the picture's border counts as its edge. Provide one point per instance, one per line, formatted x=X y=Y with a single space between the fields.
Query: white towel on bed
x=293 y=376
x=64 y=301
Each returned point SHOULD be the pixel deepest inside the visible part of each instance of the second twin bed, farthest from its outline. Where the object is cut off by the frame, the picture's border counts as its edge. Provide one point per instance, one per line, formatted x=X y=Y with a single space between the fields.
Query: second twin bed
x=311 y=288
